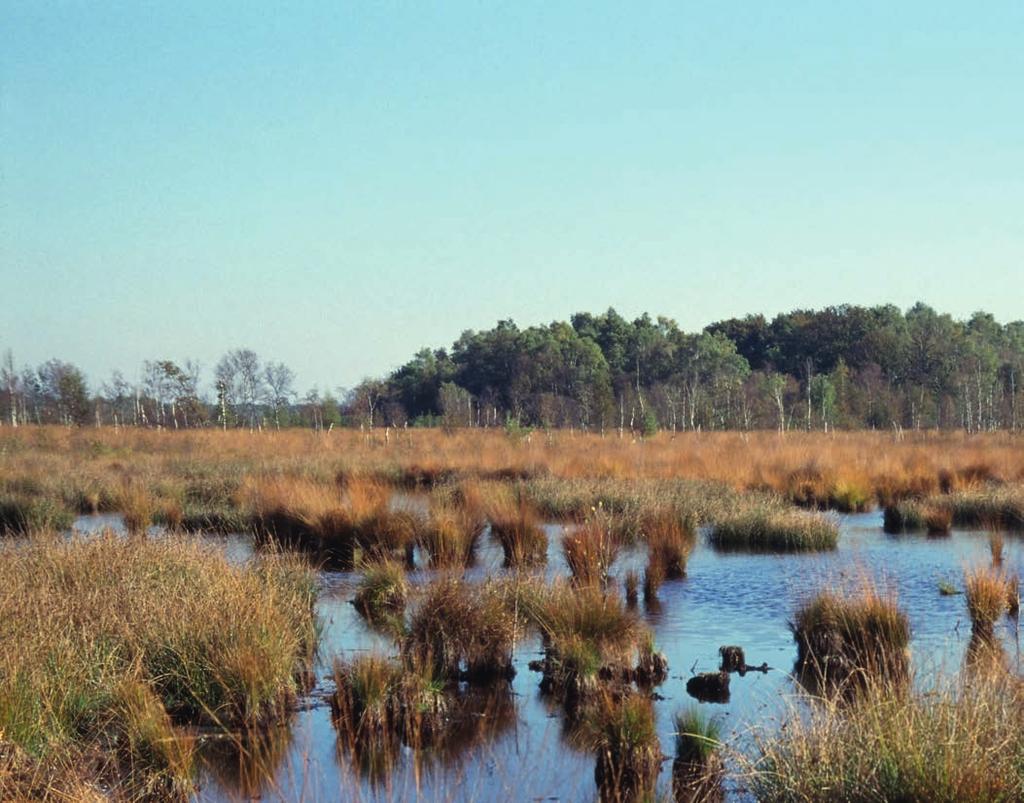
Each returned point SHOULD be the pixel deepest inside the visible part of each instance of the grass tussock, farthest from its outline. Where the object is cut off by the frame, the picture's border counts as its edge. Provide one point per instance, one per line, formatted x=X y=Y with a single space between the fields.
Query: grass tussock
x=697 y=771
x=591 y=548
x=670 y=539
x=990 y=593
x=843 y=640
x=21 y=514
x=811 y=486
x=764 y=528
x=516 y=526
x=466 y=631
x=589 y=637
x=933 y=516
x=376 y=697
x=621 y=731
x=1000 y=506
x=996 y=546
x=451 y=535
x=109 y=644
x=383 y=590
x=137 y=507
x=321 y=517
x=950 y=743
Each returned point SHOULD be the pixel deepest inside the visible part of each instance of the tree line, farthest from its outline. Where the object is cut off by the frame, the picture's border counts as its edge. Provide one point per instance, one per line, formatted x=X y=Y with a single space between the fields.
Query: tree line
x=841 y=367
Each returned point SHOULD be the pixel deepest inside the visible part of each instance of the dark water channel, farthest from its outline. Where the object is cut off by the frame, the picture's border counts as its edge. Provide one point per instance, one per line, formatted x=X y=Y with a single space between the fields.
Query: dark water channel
x=520 y=752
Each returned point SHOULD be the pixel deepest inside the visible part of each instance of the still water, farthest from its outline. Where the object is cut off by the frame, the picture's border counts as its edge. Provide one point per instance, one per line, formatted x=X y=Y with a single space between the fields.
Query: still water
x=515 y=747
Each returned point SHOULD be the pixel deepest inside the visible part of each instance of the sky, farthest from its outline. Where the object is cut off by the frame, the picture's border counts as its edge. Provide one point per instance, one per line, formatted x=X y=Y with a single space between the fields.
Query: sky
x=336 y=185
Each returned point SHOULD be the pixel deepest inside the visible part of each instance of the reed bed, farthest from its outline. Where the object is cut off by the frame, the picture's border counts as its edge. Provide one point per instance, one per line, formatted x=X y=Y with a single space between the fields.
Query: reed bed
x=109 y=644
x=766 y=528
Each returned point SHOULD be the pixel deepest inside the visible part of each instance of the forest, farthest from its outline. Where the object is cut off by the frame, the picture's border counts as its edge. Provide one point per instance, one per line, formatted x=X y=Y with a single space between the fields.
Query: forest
x=842 y=367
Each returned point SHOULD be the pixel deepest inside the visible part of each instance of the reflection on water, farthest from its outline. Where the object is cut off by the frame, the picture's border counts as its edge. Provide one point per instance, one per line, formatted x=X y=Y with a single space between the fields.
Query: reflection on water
x=518 y=751
x=246 y=762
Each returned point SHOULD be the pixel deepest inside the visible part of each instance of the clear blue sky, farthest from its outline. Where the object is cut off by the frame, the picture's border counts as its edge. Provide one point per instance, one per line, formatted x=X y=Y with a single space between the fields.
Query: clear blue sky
x=338 y=184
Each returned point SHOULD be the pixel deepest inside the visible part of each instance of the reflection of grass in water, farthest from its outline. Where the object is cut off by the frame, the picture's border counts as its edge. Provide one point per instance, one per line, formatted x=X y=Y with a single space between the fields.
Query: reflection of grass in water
x=247 y=762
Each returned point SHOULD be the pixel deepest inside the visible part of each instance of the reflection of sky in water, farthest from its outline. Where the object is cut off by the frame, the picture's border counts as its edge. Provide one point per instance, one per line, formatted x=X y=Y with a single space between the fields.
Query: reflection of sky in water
x=726 y=599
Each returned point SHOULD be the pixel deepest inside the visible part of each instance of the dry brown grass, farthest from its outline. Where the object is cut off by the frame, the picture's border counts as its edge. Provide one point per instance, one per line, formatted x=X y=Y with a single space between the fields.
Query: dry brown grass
x=847 y=638
x=110 y=643
x=837 y=469
x=516 y=526
x=951 y=743
x=590 y=548
x=452 y=532
x=670 y=539
x=990 y=594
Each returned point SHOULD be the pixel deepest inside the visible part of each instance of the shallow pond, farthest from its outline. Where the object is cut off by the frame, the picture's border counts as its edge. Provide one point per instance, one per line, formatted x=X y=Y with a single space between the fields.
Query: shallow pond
x=518 y=749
